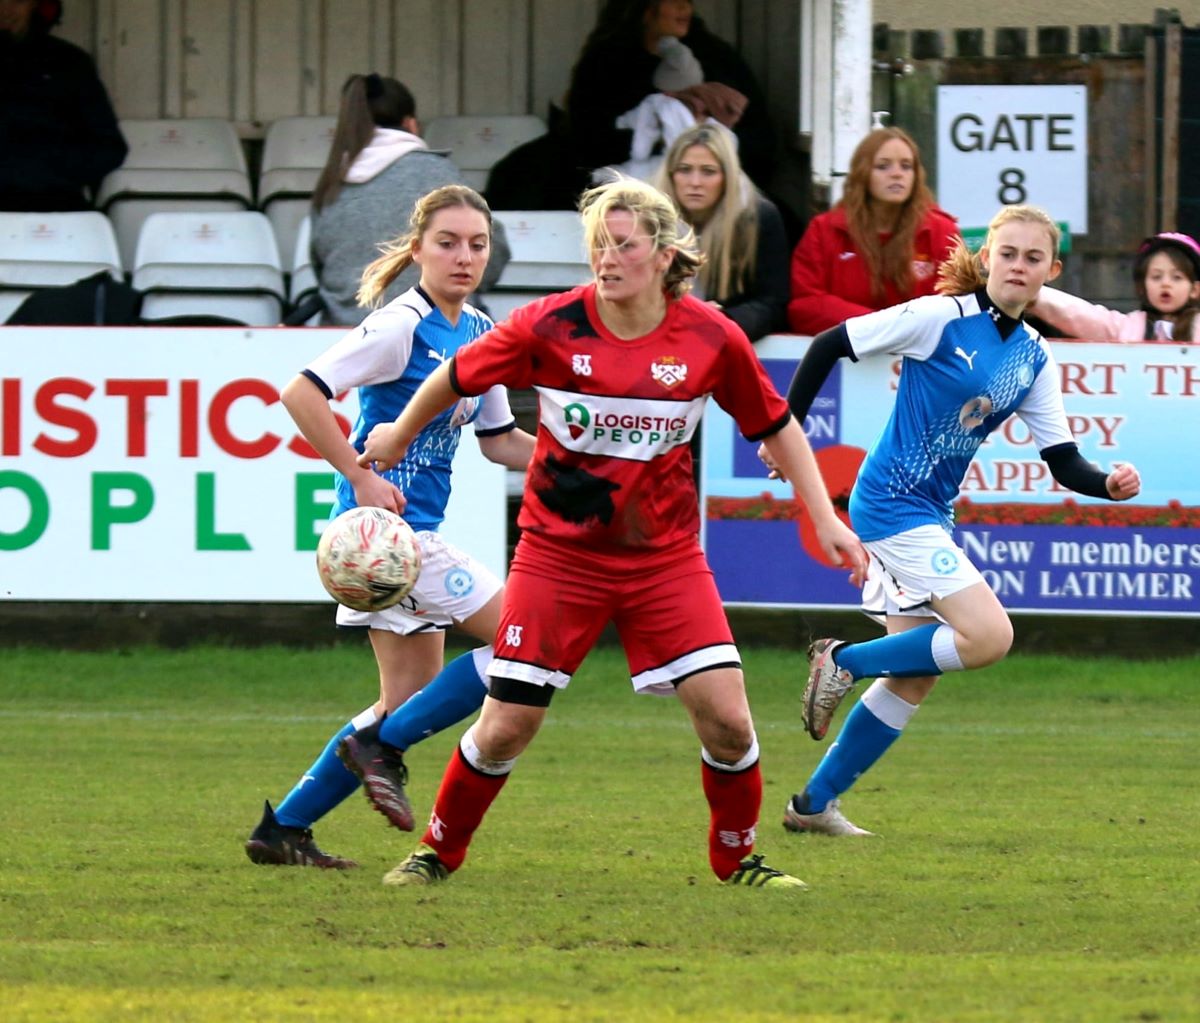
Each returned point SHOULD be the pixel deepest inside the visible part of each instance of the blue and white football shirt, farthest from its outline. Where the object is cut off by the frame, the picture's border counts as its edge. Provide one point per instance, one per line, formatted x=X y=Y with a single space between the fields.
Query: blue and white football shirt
x=966 y=368
x=387 y=357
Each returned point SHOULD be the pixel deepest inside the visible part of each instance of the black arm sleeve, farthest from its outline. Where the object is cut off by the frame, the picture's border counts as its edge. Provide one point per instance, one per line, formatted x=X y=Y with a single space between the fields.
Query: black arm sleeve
x=1071 y=469
x=825 y=350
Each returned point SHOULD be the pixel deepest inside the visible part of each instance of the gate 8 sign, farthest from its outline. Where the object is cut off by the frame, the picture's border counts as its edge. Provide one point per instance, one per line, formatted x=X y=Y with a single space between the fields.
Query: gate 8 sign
x=1004 y=144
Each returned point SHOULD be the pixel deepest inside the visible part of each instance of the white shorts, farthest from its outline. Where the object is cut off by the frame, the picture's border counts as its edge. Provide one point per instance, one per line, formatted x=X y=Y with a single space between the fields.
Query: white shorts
x=906 y=571
x=452 y=587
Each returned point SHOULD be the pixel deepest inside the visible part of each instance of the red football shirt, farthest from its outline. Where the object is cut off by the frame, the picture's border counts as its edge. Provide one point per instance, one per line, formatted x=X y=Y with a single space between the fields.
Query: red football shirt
x=612 y=467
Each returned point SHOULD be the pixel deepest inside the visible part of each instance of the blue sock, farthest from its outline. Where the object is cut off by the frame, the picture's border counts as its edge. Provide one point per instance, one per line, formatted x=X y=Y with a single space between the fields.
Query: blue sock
x=906 y=654
x=323 y=785
x=862 y=740
x=455 y=692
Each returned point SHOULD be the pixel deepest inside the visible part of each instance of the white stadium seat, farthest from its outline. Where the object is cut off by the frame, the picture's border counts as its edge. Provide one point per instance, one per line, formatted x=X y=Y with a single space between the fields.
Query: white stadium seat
x=189 y=164
x=303 y=285
x=547 y=256
x=294 y=151
x=476 y=143
x=41 y=250
x=219 y=264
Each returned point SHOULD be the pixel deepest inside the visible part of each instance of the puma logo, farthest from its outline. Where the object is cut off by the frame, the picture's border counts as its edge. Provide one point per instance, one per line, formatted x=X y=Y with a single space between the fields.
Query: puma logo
x=969 y=359
x=436 y=356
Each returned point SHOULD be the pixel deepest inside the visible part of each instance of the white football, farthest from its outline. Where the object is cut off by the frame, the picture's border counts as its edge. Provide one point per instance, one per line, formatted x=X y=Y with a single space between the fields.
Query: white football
x=368 y=559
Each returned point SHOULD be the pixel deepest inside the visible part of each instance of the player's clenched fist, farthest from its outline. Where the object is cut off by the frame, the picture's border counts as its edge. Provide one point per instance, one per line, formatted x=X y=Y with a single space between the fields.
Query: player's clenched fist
x=384 y=447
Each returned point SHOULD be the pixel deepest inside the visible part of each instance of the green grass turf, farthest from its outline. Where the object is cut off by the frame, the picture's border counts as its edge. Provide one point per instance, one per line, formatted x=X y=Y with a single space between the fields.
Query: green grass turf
x=1036 y=860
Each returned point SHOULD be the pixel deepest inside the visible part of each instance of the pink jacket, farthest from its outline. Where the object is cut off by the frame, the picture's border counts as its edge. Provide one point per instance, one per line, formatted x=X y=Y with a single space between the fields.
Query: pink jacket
x=1076 y=317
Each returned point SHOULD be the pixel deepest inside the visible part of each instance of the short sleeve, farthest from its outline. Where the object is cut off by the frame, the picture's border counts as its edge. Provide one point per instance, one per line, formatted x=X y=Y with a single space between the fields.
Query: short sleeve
x=374 y=352
x=504 y=355
x=912 y=329
x=746 y=392
x=1043 y=410
x=496 y=414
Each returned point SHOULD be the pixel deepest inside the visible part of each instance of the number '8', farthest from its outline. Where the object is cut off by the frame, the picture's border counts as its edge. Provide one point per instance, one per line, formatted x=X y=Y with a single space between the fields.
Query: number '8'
x=1012 y=186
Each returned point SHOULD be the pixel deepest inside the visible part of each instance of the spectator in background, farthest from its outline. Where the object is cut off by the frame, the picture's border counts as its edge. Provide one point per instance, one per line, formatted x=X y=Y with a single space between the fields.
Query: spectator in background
x=879 y=246
x=378 y=167
x=58 y=132
x=739 y=230
x=616 y=71
x=1166 y=273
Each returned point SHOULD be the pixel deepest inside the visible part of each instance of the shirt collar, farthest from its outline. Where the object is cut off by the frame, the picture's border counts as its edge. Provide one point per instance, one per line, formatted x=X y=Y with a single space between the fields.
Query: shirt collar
x=1005 y=324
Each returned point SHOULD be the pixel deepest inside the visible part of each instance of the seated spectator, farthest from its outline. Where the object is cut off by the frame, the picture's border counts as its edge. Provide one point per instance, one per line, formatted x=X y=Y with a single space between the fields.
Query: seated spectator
x=378 y=168
x=1166 y=273
x=879 y=246
x=616 y=72
x=739 y=230
x=58 y=133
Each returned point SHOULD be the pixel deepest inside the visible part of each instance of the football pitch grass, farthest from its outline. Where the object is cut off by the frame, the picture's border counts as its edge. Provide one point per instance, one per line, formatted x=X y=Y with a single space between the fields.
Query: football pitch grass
x=1036 y=859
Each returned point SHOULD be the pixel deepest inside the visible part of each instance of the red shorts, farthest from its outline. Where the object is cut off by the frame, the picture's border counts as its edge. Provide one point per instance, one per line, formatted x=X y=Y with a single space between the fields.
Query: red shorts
x=664 y=605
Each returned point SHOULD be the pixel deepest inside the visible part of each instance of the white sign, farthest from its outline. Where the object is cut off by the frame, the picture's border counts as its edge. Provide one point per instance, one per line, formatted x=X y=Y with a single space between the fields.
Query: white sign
x=1004 y=144
x=158 y=464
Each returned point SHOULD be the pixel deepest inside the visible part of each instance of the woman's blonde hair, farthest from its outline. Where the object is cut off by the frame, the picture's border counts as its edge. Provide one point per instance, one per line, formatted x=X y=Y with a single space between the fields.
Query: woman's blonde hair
x=729 y=239
x=653 y=211
x=891 y=260
x=397 y=254
x=962 y=271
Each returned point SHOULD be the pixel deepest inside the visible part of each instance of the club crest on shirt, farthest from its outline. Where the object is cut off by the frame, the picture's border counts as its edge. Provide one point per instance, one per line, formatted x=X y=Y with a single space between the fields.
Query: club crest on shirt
x=669 y=371
x=923 y=269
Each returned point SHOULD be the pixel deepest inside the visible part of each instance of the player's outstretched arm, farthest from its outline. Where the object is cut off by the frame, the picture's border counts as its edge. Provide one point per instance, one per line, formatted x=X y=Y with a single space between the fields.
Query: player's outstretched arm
x=791 y=456
x=387 y=442
x=310 y=409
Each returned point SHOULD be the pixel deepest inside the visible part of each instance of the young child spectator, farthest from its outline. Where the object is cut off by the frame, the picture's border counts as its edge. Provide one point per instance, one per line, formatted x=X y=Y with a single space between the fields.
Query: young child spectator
x=378 y=167
x=739 y=230
x=58 y=133
x=616 y=71
x=879 y=246
x=1166 y=274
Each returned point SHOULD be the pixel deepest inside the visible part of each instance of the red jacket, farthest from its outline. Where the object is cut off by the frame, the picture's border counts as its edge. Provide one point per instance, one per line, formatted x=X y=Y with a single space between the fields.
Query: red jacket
x=830 y=282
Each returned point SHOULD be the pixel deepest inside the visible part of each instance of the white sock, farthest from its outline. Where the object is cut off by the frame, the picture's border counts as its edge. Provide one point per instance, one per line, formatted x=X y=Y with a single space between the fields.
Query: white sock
x=894 y=711
x=750 y=758
x=482 y=764
x=945 y=653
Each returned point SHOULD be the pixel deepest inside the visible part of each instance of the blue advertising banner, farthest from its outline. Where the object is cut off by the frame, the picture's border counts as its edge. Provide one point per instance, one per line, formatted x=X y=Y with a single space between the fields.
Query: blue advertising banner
x=1041 y=548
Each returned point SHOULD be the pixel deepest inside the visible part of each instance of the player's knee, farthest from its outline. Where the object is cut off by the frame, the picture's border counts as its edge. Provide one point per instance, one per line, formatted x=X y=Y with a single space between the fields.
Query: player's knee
x=505 y=729
x=994 y=643
x=729 y=739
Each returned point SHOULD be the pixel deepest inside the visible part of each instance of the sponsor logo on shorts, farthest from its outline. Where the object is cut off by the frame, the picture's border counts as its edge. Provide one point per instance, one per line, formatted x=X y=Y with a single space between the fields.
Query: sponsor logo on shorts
x=459 y=582
x=512 y=635
x=944 y=561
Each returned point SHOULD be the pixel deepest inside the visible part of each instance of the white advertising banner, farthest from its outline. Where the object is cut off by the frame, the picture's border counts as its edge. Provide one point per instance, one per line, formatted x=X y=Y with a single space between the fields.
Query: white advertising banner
x=1040 y=547
x=158 y=464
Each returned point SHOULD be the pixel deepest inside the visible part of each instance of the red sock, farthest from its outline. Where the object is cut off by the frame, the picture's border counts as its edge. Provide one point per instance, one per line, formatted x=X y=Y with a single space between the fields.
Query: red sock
x=463 y=798
x=734 y=800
